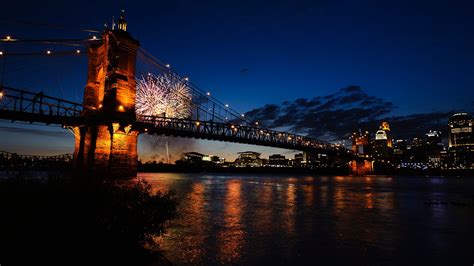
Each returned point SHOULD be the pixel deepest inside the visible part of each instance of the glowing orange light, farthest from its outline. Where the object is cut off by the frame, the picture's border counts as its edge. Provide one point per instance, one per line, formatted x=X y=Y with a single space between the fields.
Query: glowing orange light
x=100 y=105
x=9 y=38
x=1 y=94
x=121 y=108
x=198 y=123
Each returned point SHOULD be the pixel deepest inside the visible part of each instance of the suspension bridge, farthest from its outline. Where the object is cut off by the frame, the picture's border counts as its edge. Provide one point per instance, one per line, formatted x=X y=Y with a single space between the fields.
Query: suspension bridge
x=107 y=123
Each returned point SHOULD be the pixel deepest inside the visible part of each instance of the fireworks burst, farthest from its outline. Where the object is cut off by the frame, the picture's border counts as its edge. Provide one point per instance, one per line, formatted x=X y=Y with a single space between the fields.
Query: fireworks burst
x=163 y=95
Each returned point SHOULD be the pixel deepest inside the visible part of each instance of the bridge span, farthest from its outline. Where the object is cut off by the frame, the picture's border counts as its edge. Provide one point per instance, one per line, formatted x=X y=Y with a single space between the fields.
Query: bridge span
x=31 y=107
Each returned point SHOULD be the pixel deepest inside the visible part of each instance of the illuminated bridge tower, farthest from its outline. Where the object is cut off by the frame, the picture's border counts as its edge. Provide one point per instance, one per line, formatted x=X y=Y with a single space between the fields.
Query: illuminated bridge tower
x=361 y=148
x=107 y=144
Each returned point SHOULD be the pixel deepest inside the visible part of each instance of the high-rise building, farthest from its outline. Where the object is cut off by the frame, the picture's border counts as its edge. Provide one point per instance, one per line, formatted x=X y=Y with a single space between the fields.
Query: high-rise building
x=383 y=147
x=400 y=151
x=461 y=141
x=460 y=130
x=433 y=148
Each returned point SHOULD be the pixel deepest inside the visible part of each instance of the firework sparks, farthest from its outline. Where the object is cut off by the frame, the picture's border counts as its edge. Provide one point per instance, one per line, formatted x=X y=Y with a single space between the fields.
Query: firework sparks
x=163 y=95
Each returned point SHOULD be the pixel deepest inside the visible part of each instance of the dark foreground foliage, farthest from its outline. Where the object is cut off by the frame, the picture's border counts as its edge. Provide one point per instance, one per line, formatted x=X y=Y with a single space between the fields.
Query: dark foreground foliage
x=81 y=221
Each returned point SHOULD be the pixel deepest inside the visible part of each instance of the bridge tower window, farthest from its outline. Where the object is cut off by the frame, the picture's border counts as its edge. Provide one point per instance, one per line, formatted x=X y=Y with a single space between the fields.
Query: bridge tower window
x=122 y=23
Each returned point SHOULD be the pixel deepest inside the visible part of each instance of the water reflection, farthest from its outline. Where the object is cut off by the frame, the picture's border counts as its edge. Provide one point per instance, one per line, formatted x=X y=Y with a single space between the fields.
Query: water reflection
x=290 y=208
x=230 y=239
x=280 y=220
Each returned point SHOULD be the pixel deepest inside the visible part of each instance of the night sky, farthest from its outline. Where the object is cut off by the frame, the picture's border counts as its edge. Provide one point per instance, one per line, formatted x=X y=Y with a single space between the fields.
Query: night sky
x=409 y=58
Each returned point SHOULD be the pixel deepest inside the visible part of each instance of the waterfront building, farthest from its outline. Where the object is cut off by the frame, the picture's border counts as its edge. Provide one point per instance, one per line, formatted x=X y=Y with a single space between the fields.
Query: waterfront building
x=460 y=130
x=461 y=141
x=199 y=158
x=248 y=159
x=213 y=159
x=193 y=156
x=298 y=160
x=433 y=148
x=277 y=160
x=400 y=150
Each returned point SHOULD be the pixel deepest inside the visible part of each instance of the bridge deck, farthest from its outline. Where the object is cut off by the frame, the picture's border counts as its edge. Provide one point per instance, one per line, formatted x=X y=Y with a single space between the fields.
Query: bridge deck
x=21 y=105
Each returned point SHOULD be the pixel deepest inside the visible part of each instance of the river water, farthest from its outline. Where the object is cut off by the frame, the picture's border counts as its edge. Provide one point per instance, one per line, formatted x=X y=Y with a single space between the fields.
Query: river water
x=319 y=220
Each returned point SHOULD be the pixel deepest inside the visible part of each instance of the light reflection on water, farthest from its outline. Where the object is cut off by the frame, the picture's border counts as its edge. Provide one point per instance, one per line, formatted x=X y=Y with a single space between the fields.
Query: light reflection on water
x=252 y=219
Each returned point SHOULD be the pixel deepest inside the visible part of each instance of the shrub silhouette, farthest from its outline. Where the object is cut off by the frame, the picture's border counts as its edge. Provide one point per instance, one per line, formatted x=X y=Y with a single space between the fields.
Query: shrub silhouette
x=87 y=220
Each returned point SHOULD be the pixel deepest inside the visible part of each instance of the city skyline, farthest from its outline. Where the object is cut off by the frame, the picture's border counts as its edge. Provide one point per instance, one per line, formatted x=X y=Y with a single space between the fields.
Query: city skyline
x=255 y=67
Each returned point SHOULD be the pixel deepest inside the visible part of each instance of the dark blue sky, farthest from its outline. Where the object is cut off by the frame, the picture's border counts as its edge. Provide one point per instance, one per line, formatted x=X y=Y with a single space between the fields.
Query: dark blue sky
x=416 y=54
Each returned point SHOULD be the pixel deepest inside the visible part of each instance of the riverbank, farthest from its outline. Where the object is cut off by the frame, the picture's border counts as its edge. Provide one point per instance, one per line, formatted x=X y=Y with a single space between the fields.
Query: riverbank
x=85 y=219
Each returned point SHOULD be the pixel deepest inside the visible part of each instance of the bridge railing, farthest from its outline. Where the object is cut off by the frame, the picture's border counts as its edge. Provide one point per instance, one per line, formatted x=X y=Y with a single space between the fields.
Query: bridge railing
x=22 y=101
x=233 y=132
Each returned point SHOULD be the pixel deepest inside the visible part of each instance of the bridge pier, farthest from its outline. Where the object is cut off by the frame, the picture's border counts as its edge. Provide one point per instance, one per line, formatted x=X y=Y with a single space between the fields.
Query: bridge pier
x=107 y=150
x=361 y=167
x=106 y=144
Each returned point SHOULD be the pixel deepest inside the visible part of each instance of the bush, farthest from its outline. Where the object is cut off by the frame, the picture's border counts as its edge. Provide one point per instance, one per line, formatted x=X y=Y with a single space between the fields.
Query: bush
x=86 y=220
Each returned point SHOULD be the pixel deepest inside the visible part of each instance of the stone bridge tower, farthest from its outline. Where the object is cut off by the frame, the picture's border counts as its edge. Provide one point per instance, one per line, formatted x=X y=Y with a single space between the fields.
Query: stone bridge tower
x=361 y=148
x=107 y=144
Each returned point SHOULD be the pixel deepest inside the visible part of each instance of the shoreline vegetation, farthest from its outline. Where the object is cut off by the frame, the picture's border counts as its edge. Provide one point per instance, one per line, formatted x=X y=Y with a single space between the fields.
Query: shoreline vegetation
x=72 y=219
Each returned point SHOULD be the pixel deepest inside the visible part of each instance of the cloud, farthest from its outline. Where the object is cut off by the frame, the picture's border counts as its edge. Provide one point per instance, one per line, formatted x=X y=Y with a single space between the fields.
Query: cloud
x=336 y=116
x=35 y=131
